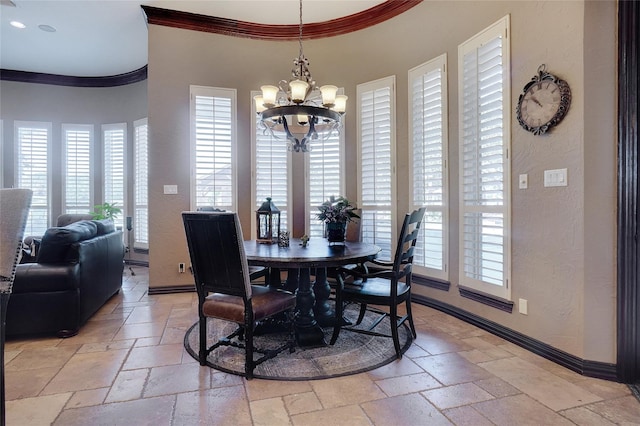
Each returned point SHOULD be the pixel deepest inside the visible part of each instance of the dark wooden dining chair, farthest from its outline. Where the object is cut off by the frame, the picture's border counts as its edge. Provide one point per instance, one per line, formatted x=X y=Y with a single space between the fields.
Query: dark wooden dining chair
x=255 y=272
x=388 y=287
x=224 y=289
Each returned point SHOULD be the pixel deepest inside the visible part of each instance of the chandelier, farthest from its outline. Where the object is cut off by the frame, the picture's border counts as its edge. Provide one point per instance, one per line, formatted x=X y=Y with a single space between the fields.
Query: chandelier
x=298 y=108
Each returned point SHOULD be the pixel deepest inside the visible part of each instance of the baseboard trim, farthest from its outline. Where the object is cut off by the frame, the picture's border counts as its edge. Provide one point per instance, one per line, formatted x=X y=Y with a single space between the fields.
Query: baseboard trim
x=431 y=282
x=132 y=262
x=600 y=370
x=172 y=289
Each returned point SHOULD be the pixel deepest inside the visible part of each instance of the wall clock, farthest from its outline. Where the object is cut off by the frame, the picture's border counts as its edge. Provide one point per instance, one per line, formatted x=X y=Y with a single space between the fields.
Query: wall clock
x=543 y=103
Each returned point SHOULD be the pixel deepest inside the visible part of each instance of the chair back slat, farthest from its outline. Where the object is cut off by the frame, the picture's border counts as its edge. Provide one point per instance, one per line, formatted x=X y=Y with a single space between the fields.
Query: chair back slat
x=408 y=239
x=217 y=253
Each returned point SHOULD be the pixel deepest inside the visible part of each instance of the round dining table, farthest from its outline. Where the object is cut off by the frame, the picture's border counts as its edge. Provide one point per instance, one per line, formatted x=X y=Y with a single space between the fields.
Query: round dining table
x=313 y=309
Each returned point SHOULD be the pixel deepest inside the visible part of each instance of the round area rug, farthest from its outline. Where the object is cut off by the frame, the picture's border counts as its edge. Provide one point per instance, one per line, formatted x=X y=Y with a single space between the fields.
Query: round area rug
x=352 y=353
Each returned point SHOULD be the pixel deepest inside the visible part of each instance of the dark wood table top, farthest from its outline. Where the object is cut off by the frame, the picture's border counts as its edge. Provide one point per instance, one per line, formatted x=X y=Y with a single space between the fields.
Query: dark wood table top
x=317 y=254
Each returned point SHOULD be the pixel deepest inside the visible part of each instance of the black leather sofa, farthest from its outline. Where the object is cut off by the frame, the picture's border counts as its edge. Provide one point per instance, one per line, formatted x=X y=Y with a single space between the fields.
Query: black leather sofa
x=78 y=268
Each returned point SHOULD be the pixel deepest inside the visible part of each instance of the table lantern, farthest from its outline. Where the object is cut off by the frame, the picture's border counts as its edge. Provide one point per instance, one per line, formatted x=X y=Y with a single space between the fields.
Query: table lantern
x=268 y=221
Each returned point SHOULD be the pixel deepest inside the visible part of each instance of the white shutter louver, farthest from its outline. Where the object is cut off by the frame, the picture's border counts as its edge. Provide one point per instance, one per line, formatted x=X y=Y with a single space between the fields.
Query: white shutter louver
x=272 y=173
x=78 y=183
x=325 y=178
x=114 y=141
x=141 y=176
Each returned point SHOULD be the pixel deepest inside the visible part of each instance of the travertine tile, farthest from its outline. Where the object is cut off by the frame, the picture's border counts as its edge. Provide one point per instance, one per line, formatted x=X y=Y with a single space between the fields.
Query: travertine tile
x=267 y=412
x=302 y=403
x=406 y=410
x=177 y=379
x=153 y=356
x=351 y=415
x=149 y=411
x=585 y=417
x=497 y=387
x=128 y=385
x=551 y=390
x=27 y=383
x=624 y=410
x=466 y=416
x=346 y=390
x=54 y=357
x=41 y=410
x=135 y=331
x=521 y=410
x=402 y=385
x=263 y=389
x=106 y=346
x=87 y=371
x=456 y=395
x=87 y=398
x=221 y=406
x=451 y=369
x=401 y=367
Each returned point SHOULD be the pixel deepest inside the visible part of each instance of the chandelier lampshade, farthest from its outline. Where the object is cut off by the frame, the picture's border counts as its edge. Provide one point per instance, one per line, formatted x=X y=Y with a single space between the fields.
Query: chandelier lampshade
x=297 y=108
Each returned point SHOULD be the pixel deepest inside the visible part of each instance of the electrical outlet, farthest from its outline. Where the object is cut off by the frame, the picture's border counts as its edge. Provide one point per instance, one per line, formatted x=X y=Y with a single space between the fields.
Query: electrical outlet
x=181 y=268
x=523 y=306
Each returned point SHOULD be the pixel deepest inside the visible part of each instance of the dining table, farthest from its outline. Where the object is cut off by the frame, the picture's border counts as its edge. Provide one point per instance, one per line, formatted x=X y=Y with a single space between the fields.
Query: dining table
x=313 y=309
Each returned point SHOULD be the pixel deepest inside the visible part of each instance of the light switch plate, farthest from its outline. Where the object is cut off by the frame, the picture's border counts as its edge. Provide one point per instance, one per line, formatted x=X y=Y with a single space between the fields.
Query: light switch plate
x=171 y=189
x=523 y=181
x=557 y=177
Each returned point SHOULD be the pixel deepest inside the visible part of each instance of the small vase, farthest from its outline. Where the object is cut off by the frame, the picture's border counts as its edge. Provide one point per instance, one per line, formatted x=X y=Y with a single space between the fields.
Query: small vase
x=336 y=231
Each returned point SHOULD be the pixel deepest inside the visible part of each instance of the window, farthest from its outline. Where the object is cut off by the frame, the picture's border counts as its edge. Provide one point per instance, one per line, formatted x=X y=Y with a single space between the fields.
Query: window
x=325 y=177
x=428 y=164
x=376 y=149
x=213 y=139
x=271 y=170
x=484 y=100
x=141 y=178
x=32 y=171
x=77 y=187
x=114 y=139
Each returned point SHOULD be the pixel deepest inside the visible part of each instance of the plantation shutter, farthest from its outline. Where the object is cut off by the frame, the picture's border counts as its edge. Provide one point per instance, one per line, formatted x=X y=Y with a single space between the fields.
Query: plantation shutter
x=272 y=172
x=484 y=161
x=114 y=140
x=32 y=171
x=78 y=182
x=324 y=177
x=377 y=168
x=213 y=138
x=141 y=179
x=428 y=116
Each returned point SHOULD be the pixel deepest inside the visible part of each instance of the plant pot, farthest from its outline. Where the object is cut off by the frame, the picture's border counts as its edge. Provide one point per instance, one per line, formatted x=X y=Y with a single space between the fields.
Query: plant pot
x=336 y=231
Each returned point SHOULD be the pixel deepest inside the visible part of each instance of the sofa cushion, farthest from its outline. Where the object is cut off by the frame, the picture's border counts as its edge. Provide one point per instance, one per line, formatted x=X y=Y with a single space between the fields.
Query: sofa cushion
x=56 y=240
x=105 y=226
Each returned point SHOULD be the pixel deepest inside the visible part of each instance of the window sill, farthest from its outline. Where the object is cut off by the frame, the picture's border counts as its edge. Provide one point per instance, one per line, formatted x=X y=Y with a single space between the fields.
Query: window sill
x=486 y=299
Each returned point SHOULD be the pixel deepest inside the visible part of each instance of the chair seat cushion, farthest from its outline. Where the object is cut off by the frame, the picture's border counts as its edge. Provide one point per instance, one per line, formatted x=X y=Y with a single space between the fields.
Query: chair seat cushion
x=374 y=288
x=265 y=302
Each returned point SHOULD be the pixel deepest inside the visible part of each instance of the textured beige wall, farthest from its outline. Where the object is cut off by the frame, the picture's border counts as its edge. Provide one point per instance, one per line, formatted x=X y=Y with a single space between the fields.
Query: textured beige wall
x=563 y=238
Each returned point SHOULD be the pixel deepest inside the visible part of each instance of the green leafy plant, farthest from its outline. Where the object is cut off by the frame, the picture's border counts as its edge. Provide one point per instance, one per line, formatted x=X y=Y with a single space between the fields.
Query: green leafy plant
x=336 y=210
x=106 y=211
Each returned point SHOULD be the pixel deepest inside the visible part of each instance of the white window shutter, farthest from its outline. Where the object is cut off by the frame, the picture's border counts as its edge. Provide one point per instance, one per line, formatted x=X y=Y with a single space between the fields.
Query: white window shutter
x=78 y=182
x=32 y=171
x=376 y=138
x=114 y=138
x=428 y=173
x=213 y=114
x=484 y=163
x=141 y=179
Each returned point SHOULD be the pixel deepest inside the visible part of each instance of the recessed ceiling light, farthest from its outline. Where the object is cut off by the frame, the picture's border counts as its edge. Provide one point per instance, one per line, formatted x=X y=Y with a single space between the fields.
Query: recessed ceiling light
x=18 y=24
x=47 y=28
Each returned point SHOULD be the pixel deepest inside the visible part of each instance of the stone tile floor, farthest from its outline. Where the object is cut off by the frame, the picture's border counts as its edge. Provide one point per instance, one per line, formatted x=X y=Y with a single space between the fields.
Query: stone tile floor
x=128 y=366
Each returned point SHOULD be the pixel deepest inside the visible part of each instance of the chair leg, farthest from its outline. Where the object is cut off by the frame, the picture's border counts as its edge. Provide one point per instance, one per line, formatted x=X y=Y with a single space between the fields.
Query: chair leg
x=339 y=309
x=410 y=318
x=363 y=310
x=393 y=318
x=4 y=300
x=249 y=365
x=202 y=351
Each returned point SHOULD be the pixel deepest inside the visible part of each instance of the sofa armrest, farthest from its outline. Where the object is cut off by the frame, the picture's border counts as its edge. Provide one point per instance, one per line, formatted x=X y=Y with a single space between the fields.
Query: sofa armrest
x=39 y=277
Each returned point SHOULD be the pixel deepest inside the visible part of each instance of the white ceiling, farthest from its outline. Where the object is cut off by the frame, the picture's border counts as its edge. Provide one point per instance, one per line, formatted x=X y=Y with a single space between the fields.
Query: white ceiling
x=96 y=38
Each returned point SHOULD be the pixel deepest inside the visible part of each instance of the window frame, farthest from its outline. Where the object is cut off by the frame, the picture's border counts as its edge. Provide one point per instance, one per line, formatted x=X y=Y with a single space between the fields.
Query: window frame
x=206 y=91
x=39 y=125
x=65 y=153
x=436 y=64
x=119 y=221
x=501 y=28
x=379 y=84
x=138 y=229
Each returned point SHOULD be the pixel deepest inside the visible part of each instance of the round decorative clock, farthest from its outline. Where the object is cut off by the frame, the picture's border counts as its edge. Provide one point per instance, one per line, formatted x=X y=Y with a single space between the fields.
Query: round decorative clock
x=543 y=103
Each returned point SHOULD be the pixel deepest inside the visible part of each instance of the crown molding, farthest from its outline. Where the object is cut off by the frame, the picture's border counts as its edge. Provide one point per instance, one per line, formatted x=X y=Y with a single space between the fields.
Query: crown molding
x=315 y=30
x=66 y=80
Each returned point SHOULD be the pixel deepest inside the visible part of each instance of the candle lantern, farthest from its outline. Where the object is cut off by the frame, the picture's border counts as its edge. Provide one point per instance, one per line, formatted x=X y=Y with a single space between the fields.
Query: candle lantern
x=268 y=221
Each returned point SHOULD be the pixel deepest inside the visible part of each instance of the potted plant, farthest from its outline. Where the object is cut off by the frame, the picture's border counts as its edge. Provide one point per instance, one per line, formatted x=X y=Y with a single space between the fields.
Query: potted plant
x=335 y=213
x=106 y=211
